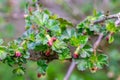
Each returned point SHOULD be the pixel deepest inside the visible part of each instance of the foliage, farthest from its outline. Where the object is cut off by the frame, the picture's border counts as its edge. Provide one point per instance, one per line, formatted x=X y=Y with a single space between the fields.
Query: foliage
x=47 y=32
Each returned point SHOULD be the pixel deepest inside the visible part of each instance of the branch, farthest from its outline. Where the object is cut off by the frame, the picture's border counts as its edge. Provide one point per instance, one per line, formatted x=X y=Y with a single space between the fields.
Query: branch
x=35 y=56
x=114 y=16
x=71 y=68
x=96 y=44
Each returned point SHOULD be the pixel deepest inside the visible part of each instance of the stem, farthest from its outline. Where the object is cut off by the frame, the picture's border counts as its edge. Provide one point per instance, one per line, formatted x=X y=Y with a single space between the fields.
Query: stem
x=96 y=44
x=48 y=36
x=114 y=16
x=71 y=68
x=77 y=50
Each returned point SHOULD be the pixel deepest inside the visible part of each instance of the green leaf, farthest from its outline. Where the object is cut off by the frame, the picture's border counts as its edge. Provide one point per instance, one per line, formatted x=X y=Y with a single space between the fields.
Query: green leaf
x=81 y=40
x=31 y=46
x=65 y=36
x=58 y=46
x=64 y=23
x=41 y=63
x=42 y=66
x=32 y=36
x=55 y=16
x=40 y=47
x=19 y=71
x=88 y=48
x=65 y=54
x=111 y=27
x=95 y=28
x=3 y=54
x=26 y=55
x=111 y=39
x=81 y=25
x=82 y=65
x=71 y=32
x=84 y=53
x=102 y=60
x=53 y=25
x=41 y=38
x=68 y=33
x=40 y=18
x=93 y=58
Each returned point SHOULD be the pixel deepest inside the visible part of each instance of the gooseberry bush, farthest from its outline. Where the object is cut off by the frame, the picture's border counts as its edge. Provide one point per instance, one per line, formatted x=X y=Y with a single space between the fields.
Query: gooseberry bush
x=49 y=37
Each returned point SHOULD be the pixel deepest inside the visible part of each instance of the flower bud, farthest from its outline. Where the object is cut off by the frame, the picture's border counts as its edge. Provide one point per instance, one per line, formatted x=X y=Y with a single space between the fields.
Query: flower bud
x=48 y=53
x=54 y=39
x=94 y=69
x=39 y=75
x=75 y=55
x=107 y=38
x=50 y=43
x=17 y=54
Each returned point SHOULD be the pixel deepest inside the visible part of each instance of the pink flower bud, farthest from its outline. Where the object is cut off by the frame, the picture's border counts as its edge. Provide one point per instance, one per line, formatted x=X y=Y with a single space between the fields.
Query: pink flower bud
x=107 y=38
x=75 y=55
x=54 y=39
x=48 y=53
x=17 y=54
x=50 y=42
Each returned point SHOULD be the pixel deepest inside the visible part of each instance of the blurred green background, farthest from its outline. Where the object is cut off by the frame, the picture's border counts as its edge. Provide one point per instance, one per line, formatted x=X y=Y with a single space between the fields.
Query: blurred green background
x=12 y=26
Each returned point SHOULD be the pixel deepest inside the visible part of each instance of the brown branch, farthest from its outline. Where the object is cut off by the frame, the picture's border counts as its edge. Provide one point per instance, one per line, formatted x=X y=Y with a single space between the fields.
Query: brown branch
x=114 y=16
x=96 y=44
x=71 y=68
x=35 y=56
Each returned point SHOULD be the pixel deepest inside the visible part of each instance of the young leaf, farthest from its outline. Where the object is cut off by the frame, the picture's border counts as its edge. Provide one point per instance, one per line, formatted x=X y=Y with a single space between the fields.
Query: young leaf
x=111 y=39
x=76 y=41
x=111 y=27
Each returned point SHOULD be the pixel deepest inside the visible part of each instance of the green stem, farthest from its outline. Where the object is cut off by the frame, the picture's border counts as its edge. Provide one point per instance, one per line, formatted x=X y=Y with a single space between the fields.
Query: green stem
x=48 y=36
x=77 y=49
